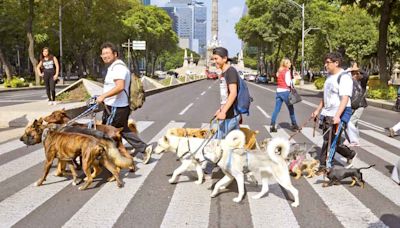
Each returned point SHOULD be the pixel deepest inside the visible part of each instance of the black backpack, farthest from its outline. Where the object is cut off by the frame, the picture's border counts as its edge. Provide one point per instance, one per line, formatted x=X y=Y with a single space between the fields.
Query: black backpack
x=357 y=96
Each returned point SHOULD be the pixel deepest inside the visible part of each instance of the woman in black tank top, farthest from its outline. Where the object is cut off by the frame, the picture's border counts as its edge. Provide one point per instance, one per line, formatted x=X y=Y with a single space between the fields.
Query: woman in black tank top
x=49 y=64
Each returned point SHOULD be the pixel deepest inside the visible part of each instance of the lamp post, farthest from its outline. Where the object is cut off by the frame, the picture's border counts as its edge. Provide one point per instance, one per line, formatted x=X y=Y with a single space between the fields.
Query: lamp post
x=302 y=34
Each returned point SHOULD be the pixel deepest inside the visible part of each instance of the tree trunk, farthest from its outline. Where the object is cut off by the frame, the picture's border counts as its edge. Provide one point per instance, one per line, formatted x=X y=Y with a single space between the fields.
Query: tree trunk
x=31 y=47
x=276 y=63
x=383 y=39
x=296 y=52
x=6 y=64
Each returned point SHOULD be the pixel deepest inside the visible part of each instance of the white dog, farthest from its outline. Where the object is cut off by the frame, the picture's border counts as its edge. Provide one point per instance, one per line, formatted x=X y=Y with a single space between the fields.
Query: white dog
x=188 y=150
x=233 y=160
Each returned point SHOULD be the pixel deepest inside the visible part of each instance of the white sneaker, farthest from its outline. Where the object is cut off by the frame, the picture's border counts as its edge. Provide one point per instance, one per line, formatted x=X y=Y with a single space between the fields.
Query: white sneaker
x=54 y=103
x=147 y=154
x=350 y=161
x=49 y=103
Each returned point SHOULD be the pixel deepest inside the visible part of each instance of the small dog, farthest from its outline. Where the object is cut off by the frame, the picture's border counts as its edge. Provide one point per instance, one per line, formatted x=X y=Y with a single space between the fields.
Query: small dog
x=231 y=157
x=336 y=174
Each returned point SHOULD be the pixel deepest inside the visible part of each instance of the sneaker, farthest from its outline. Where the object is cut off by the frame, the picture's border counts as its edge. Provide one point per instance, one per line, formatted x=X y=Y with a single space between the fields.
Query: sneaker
x=147 y=154
x=49 y=103
x=391 y=132
x=350 y=161
x=272 y=129
x=295 y=127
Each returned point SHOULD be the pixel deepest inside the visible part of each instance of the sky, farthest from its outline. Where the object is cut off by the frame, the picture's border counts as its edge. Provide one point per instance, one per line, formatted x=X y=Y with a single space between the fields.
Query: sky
x=230 y=11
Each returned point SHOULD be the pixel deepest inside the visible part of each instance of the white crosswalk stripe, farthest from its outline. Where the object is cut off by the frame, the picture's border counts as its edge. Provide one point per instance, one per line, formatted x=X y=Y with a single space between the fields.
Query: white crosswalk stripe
x=190 y=204
x=349 y=204
x=94 y=211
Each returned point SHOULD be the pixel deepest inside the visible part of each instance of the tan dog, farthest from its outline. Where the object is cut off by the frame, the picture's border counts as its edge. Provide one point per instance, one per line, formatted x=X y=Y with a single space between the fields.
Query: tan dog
x=67 y=146
x=308 y=165
x=61 y=117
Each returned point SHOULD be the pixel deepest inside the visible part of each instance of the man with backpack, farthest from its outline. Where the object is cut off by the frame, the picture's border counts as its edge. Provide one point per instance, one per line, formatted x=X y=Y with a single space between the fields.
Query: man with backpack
x=334 y=110
x=117 y=99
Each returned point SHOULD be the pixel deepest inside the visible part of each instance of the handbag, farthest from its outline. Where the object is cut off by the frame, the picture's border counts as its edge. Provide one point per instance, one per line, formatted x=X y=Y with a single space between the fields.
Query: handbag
x=294 y=97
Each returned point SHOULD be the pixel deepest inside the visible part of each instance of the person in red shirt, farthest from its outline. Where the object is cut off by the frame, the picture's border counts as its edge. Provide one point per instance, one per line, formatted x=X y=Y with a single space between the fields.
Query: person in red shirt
x=284 y=81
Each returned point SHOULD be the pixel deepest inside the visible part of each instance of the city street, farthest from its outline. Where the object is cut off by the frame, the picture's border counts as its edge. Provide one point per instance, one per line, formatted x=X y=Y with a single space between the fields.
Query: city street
x=148 y=200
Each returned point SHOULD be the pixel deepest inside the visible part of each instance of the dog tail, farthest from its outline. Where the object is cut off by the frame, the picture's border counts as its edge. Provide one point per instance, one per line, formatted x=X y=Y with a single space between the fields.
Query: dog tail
x=132 y=126
x=236 y=139
x=278 y=148
x=366 y=167
x=115 y=156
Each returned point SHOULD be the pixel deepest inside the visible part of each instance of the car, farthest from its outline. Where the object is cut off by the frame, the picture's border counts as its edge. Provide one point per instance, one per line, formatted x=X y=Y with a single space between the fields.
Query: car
x=241 y=74
x=251 y=78
x=212 y=75
x=262 y=79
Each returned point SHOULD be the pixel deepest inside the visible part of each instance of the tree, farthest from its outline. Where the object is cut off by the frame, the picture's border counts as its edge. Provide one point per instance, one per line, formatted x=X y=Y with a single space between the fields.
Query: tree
x=387 y=11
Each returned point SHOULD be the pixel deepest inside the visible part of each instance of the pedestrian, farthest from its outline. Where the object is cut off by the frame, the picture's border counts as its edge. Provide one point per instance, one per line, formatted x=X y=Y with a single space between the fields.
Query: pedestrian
x=334 y=110
x=361 y=77
x=226 y=115
x=51 y=68
x=394 y=131
x=397 y=105
x=284 y=81
x=228 y=84
x=115 y=97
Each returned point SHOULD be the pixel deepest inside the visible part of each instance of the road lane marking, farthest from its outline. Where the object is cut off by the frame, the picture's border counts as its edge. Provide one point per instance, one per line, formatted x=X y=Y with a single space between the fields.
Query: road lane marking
x=309 y=103
x=264 y=112
x=370 y=125
x=349 y=205
x=10 y=146
x=95 y=212
x=384 y=138
x=373 y=177
x=185 y=109
x=19 y=205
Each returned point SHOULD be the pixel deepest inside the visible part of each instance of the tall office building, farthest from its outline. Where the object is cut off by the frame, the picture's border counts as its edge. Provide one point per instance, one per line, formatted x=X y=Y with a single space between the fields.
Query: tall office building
x=190 y=23
x=145 y=2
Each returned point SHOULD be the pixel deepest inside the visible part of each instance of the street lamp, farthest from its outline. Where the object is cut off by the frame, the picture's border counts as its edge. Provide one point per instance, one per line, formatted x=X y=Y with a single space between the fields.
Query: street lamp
x=302 y=34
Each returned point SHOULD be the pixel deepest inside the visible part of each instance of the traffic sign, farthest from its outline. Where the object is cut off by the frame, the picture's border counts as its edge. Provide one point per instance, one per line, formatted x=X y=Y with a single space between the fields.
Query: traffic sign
x=138 y=45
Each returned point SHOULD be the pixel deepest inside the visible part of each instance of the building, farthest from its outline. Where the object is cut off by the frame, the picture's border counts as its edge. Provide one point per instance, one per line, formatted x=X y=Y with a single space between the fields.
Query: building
x=190 y=23
x=145 y=2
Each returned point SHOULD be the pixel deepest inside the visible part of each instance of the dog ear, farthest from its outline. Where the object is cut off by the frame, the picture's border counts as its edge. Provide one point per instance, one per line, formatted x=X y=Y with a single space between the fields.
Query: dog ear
x=40 y=121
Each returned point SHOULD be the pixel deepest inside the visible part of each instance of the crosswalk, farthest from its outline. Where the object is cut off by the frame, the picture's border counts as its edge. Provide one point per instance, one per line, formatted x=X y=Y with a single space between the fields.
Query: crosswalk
x=148 y=200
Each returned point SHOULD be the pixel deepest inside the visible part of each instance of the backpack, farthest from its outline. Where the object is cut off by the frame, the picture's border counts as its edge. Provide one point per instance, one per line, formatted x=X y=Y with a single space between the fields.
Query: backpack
x=357 y=95
x=136 y=94
x=244 y=99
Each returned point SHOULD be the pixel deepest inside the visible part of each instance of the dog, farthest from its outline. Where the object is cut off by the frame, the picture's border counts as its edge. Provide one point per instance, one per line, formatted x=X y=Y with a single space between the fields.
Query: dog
x=233 y=159
x=67 y=146
x=301 y=161
x=336 y=174
x=188 y=150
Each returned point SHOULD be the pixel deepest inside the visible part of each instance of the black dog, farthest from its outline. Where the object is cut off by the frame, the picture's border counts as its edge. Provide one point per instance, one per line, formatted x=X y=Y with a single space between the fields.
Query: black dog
x=336 y=174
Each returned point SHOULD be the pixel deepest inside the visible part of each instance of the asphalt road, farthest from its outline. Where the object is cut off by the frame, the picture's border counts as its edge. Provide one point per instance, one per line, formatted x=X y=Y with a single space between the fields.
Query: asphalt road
x=148 y=200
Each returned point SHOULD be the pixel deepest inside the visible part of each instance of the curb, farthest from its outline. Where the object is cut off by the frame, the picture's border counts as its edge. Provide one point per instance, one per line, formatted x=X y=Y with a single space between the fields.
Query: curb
x=29 y=88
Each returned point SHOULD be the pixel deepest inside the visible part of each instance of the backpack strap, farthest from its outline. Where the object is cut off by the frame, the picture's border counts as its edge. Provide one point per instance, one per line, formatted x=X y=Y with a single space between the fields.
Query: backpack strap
x=123 y=64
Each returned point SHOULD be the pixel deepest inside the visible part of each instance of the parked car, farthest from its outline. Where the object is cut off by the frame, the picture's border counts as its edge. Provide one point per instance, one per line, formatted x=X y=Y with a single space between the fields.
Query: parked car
x=262 y=79
x=251 y=78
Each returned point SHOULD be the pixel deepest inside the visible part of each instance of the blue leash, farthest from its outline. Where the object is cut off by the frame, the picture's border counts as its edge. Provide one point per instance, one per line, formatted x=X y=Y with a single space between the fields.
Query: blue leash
x=332 y=150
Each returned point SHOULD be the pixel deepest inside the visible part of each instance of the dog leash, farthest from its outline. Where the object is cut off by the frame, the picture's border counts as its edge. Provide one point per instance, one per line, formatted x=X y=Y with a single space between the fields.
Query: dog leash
x=303 y=125
x=83 y=114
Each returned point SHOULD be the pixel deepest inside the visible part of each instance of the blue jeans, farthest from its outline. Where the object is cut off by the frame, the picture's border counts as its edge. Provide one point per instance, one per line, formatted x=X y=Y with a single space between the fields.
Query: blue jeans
x=227 y=125
x=279 y=99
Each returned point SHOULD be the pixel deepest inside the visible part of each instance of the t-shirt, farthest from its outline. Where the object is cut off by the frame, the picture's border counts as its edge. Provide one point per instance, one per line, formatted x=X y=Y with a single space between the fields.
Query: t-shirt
x=117 y=70
x=333 y=92
x=230 y=76
x=48 y=66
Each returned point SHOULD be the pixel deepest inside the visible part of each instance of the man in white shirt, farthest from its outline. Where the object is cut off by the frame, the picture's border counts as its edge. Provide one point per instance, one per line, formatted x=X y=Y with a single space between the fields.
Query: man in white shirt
x=115 y=97
x=334 y=109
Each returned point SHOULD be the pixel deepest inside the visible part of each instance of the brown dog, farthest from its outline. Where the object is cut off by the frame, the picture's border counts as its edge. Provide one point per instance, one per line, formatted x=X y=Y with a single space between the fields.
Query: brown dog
x=67 y=146
x=61 y=117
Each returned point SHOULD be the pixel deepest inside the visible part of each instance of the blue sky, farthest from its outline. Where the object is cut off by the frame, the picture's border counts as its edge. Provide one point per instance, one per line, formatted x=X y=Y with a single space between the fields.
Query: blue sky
x=230 y=11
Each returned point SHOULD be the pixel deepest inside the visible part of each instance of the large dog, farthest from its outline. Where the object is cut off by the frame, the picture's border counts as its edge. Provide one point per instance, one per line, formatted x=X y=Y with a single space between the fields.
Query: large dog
x=67 y=146
x=189 y=149
x=230 y=156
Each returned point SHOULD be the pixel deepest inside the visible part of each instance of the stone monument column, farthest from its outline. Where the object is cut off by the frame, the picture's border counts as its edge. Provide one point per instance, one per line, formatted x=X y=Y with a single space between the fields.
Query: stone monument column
x=214 y=31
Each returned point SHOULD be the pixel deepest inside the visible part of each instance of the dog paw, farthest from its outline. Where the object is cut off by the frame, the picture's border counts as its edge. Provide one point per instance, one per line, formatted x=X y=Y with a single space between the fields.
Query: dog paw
x=214 y=194
x=172 y=181
x=74 y=183
x=81 y=188
x=198 y=182
x=237 y=199
x=37 y=183
x=111 y=179
x=295 y=204
x=57 y=174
